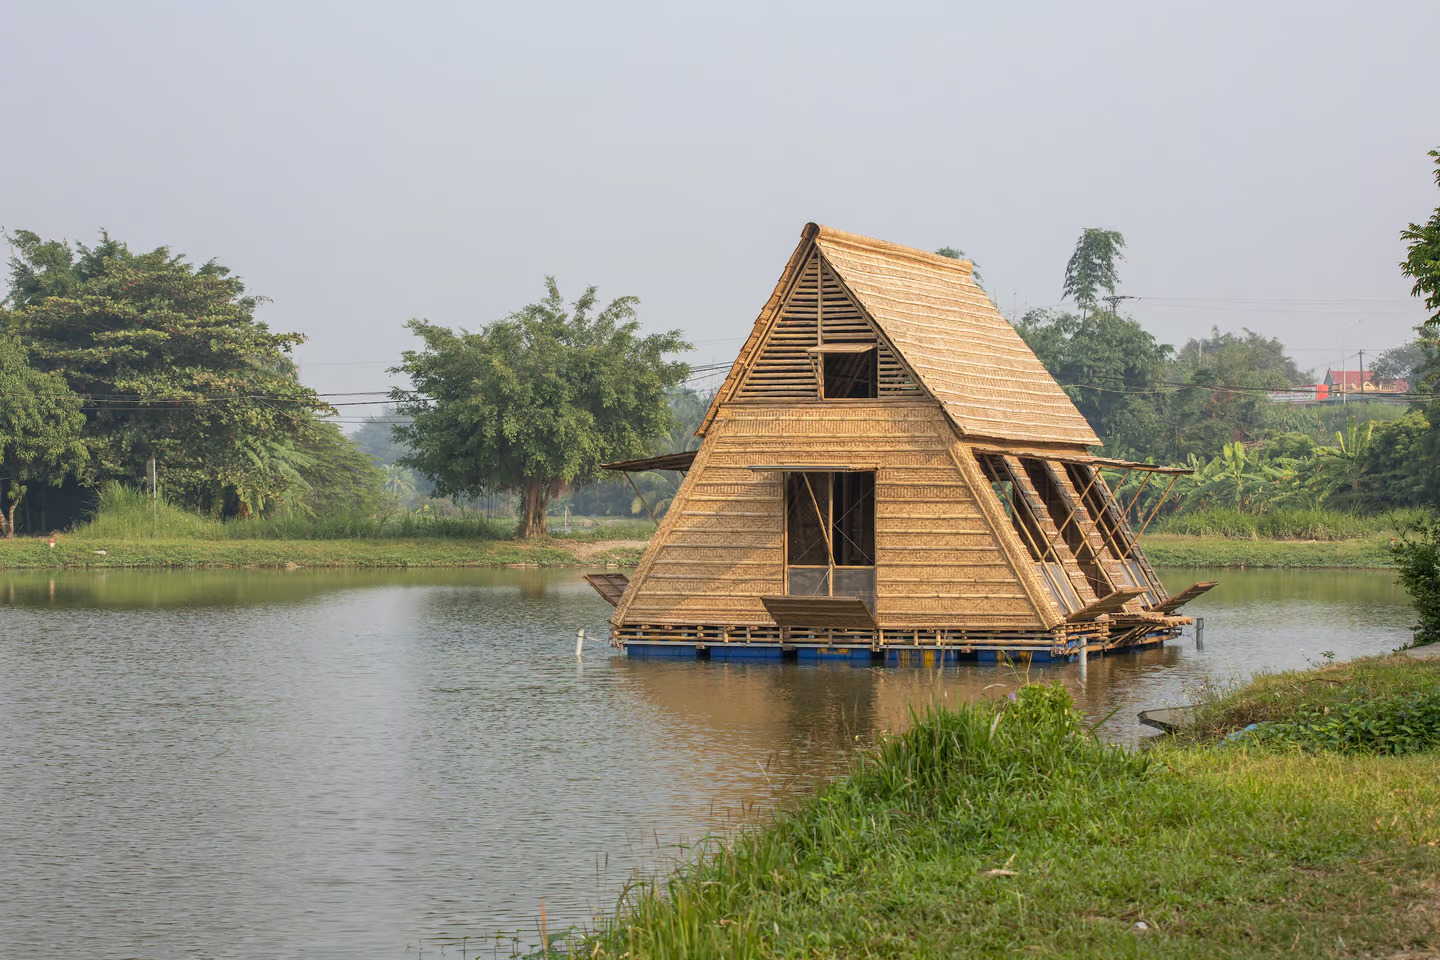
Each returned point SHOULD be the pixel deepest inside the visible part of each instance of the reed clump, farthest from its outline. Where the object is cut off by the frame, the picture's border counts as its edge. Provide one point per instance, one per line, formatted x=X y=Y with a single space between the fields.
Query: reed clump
x=1335 y=703
x=1005 y=829
x=126 y=514
x=1286 y=524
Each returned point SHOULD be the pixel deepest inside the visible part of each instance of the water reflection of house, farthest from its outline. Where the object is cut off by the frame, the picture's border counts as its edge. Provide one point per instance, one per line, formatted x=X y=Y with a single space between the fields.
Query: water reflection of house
x=888 y=471
x=743 y=709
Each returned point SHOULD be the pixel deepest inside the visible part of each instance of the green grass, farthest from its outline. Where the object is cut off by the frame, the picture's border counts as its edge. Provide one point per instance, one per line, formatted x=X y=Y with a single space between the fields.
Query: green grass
x=126 y=514
x=1287 y=524
x=1293 y=695
x=1005 y=830
x=388 y=552
x=1172 y=550
x=137 y=532
x=130 y=530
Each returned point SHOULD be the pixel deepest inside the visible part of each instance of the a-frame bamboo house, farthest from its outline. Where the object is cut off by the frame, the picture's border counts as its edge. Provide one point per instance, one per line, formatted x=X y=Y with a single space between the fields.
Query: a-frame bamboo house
x=889 y=472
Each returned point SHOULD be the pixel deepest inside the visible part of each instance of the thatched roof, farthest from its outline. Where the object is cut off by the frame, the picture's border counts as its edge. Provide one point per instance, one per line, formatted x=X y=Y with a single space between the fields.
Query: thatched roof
x=964 y=353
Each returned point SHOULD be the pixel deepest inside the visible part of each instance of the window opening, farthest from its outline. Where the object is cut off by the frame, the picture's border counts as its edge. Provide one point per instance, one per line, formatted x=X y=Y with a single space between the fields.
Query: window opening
x=830 y=534
x=807 y=505
x=1094 y=494
x=1069 y=525
x=998 y=473
x=851 y=375
x=1100 y=502
x=1028 y=526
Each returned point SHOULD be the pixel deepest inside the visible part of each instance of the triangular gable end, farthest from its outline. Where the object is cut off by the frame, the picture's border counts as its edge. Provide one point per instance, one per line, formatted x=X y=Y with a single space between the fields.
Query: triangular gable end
x=942 y=329
x=810 y=307
x=818 y=312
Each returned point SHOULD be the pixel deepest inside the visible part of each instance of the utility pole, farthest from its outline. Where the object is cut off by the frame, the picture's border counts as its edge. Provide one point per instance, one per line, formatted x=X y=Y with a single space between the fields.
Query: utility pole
x=1362 y=374
x=1115 y=298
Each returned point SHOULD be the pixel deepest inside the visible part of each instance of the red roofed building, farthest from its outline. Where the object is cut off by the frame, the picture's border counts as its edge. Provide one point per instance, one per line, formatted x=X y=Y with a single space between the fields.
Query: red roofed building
x=1361 y=381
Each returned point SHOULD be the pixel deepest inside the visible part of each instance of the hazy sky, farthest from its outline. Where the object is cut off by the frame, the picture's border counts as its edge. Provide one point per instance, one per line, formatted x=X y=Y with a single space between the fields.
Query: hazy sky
x=362 y=164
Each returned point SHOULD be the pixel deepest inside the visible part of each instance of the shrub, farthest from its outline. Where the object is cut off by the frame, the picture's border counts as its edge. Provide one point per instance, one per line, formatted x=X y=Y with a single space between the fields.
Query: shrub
x=1386 y=725
x=1417 y=554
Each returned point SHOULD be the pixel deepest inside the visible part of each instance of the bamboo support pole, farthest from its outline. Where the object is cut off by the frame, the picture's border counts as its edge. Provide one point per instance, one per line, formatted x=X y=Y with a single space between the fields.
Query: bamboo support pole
x=825 y=532
x=1134 y=542
x=641 y=497
x=1126 y=511
x=1080 y=503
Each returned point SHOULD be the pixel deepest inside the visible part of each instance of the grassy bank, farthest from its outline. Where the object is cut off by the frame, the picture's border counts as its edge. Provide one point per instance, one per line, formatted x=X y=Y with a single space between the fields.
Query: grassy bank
x=75 y=553
x=1178 y=550
x=129 y=530
x=1004 y=830
x=133 y=531
x=1288 y=524
x=78 y=550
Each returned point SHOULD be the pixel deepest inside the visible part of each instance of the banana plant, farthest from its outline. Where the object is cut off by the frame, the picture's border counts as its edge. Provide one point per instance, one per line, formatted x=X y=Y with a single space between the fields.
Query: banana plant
x=1342 y=466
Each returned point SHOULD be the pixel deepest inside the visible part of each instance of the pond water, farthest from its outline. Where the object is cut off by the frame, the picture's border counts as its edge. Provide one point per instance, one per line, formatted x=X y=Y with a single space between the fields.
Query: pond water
x=343 y=764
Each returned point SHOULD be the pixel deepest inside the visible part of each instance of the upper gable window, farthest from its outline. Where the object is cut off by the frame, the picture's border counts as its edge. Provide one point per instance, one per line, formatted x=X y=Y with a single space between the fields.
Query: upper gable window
x=849 y=372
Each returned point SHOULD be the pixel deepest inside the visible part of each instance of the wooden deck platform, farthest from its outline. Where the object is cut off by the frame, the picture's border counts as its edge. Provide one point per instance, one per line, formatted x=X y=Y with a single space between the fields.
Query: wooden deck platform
x=857 y=644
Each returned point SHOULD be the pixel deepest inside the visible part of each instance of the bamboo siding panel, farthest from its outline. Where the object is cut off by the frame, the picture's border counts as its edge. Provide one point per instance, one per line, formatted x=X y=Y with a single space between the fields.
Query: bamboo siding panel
x=817 y=311
x=964 y=352
x=782 y=367
x=941 y=333
x=1049 y=531
x=721 y=546
x=1006 y=538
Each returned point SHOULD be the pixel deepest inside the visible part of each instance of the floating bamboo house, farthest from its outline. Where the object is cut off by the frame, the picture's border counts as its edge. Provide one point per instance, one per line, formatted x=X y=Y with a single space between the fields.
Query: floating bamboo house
x=888 y=472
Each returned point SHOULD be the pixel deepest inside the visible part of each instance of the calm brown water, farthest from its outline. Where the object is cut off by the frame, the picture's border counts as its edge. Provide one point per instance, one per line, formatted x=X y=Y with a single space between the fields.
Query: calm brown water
x=353 y=764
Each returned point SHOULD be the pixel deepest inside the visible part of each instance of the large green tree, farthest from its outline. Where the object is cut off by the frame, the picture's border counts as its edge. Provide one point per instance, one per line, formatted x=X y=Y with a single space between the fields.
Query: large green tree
x=172 y=365
x=1111 y=368
x=40 y=426
x=1408 y=361
x=1092 y=266
x=337 y=476
x=1220 y=383
x=537 y=400
x=1422 y=258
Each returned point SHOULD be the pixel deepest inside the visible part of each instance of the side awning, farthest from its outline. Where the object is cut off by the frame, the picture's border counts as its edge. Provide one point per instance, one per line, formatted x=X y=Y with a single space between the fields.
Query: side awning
x=611 y=586
x=1084 y=460
x=666 y=461
x=681 y=461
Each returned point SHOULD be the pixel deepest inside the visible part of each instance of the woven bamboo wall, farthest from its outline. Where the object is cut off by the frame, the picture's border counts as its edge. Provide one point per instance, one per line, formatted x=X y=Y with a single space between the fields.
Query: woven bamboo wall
x=720 y=548
x=817 y=310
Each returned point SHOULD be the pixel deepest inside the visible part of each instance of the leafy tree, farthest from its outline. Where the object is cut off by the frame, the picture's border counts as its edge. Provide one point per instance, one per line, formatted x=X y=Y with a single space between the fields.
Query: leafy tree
x=338 y=477
x=1418 y=557
x=1397 y=470
x=1422 y=260
x=1224 y=379
x=400 y=482
x=1092 y=266
x=1265 y=356
x=376 y=438
x=1343 y=465
x=1235 y=479
x=537 y=400
x=1407 y=361
x=40 y=427
x=611 y=495
x=1110 y=367
x=1292 y=446
x=171 y=363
